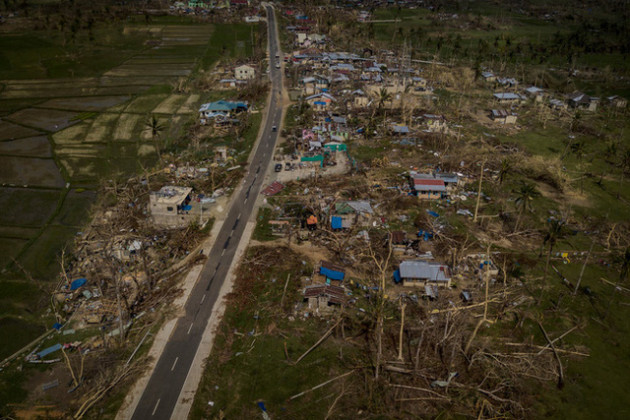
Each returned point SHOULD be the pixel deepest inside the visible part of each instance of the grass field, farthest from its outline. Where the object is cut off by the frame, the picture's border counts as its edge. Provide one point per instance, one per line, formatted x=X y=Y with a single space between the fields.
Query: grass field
x=248 y=355
x=495 y=33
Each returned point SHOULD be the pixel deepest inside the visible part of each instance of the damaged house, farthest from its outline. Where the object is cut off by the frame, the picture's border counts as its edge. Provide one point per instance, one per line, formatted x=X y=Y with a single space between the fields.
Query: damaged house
x=170 y=206
x=321 y=297
x=422 y=273
x=350 y=213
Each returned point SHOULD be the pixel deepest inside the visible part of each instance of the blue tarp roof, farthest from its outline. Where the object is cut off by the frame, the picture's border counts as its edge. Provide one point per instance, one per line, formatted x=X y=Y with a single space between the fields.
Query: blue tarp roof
x=397 y=278
x=49 y=350
x=336 y=222
x=331 y=274
x=77 y=283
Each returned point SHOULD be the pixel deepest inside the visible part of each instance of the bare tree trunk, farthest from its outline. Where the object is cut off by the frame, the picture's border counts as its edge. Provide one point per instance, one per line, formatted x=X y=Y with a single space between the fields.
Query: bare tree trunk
x=547 y=263
x=518 y=219
x=483 y=162
x=402 y=328
x=577 y=286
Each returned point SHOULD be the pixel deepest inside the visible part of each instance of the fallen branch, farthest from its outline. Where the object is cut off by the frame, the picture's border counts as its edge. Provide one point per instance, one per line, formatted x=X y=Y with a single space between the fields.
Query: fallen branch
x=320 y=341
x=556 y=339
x=458 y=308
x=284 y=292
x=415 y=388
x=555 y=353
x=321 y=385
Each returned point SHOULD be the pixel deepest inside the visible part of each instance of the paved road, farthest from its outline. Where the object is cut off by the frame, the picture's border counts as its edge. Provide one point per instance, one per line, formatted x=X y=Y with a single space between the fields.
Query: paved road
x=163 y=389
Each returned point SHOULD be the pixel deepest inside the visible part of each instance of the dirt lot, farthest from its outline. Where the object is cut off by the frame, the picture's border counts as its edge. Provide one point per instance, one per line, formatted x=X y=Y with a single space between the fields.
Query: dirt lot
x=309 y=170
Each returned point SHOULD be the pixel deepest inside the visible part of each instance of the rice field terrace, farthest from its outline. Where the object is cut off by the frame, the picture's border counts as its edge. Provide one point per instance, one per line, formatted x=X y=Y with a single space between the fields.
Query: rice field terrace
x=64 y=131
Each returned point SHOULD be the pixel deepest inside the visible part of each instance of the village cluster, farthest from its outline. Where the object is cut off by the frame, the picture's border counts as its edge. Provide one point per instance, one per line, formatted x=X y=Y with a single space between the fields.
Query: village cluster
x=346 y=100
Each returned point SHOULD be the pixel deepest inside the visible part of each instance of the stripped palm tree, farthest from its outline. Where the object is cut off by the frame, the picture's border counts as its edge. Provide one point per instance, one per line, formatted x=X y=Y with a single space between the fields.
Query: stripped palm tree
x=524 y=197
x=383 y=97
x=155 y=127
x=555 y=231
x=579 y=150
x=506 y=168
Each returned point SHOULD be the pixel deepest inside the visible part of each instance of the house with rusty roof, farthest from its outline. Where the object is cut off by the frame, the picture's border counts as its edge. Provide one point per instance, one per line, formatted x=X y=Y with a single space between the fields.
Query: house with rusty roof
x=323 y=297
x=502 y=116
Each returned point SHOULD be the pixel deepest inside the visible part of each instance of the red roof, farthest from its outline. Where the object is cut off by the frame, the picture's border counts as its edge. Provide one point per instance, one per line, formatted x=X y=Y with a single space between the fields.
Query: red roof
x=273 y=189
x=428 y=182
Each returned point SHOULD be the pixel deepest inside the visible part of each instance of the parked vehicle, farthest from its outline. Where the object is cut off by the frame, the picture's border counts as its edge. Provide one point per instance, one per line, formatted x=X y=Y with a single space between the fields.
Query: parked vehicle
x=278 y=167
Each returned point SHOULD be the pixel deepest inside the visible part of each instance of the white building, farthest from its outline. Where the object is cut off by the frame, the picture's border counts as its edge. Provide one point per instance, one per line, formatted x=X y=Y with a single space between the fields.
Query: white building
x=244 y=72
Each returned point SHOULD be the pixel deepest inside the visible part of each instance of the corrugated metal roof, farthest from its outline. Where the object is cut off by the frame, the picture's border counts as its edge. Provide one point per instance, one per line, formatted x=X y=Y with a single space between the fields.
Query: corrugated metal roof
x=360 y=206
x=424 y=270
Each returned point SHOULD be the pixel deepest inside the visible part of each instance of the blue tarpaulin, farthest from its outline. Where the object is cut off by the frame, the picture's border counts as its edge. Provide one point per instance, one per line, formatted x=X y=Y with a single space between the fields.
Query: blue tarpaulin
x=57 y=326
x=432 y=213
x=397 y=278
x=331 y=274
x=49 y=350
x=425 y=235
x=262 y=405
x=336 y=222
x=77 y=283
x=187 y=207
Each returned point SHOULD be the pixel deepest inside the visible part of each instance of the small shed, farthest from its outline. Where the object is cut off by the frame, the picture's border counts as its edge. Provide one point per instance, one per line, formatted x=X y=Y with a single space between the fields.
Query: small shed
x=617 y=101
x=503 y=117
x=508 y=97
